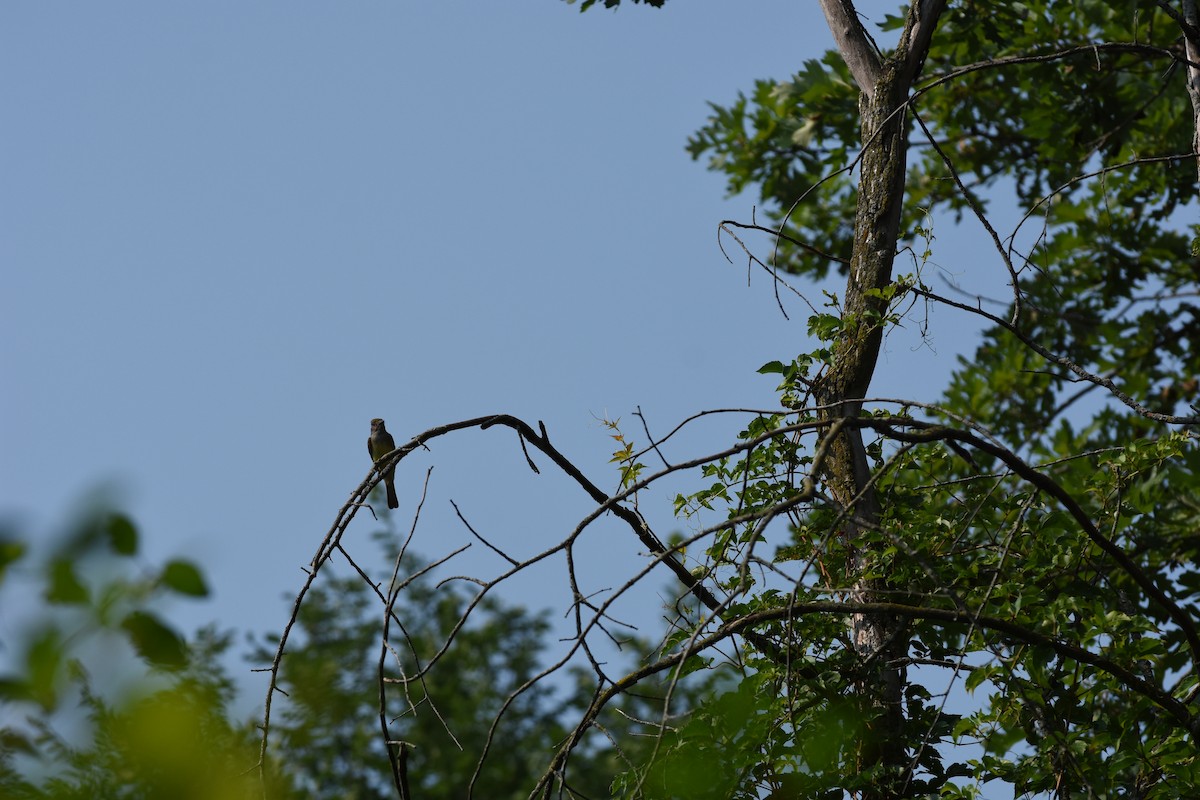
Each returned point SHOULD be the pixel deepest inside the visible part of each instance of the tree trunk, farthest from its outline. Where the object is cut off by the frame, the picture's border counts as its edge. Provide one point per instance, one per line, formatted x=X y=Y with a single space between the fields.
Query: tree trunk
x=1191 y=31
x=879 y=640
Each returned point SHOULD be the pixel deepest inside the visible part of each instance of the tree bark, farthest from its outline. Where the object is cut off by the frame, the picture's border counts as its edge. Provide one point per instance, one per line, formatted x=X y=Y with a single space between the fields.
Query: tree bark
x=879 y=639
x=1191 y=38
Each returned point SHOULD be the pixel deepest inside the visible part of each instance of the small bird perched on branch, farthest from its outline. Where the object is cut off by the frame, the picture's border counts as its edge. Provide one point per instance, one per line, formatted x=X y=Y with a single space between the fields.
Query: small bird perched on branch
x=379 y=444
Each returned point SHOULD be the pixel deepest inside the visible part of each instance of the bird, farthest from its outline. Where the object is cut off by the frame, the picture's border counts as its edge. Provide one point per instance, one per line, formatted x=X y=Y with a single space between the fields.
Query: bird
x=379 y=444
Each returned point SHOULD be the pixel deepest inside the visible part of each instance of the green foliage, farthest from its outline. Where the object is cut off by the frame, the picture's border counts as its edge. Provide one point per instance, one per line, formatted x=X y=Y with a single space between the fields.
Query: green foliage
x=107 y=699
x=329 y=731
x=1031 y=545
x=161 y=725
x=1035 y=126
x=631 y=468
x=1076 y=109
x=790 y=139
x=586 y=4
x=703 y=758
x=175 y=741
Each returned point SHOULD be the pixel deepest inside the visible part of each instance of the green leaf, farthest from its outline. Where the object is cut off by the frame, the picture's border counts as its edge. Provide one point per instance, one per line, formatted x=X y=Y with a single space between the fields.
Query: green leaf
x=11 y=551
x=14 y=690
x=15 y=742
x=122 y=535
x=43 y=668
x=184 y=577
x=154 y=641
x=63 y=584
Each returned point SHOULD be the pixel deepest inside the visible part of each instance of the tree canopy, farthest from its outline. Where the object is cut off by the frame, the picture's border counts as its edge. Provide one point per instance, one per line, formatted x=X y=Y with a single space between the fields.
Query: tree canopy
x=992 y=584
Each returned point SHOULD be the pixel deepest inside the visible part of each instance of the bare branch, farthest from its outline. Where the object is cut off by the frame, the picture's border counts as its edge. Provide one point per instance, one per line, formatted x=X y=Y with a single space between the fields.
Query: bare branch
x=475 y=533
x=919 y=431
x=1090 y=49
x=853 y=43
x=1174 y=708
x=1063 y=361
x=918 y=33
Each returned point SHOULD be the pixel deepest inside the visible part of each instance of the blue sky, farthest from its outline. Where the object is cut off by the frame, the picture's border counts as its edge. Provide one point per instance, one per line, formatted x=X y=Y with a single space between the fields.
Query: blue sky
x=234 y=233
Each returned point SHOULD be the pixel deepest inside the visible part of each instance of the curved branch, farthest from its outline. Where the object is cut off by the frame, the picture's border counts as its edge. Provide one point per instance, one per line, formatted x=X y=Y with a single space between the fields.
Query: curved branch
x=1175 y=709
x=976 y=209
x=926 y=432
x=540 y=440
x=1062 y=361
x=1095 y=174
x=1038 y=58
